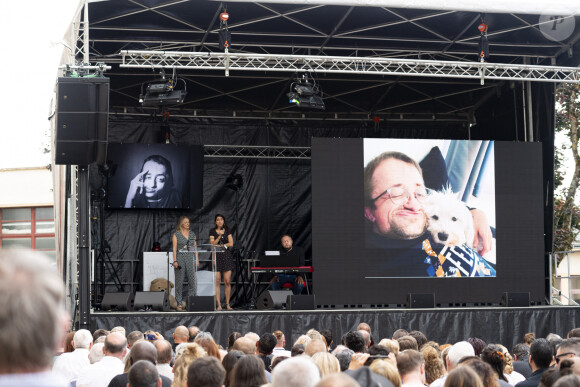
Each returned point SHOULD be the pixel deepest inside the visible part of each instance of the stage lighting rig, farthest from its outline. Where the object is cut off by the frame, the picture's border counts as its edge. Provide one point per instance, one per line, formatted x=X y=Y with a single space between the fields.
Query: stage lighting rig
x=306 y=93
x=162 y=92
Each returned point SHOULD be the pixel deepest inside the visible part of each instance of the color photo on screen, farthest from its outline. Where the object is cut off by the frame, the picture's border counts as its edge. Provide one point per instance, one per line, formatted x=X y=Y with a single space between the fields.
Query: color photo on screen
x=155 y=176
x=417 y=221
x=421 y=200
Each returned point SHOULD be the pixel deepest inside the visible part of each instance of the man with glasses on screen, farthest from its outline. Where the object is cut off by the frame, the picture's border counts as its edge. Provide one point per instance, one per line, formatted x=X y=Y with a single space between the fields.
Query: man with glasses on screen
x=394 y=195
x=394 y=190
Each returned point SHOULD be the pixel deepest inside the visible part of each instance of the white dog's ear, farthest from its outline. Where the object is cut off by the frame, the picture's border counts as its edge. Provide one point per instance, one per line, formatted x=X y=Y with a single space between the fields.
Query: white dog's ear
x=469 y=231
x=369 y=214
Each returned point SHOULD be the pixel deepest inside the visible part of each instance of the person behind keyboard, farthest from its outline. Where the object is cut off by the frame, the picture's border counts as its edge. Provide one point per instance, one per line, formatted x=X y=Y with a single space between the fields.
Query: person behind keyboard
x=296 y=280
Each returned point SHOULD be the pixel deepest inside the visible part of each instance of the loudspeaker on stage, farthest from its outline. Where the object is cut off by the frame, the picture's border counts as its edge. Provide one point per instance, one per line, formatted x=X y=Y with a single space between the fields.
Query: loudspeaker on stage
x=300 y=302
x=152 y=301
x=118 y=301
x=272 y=299
x=82 y=115
x=515 y=299
x=200 y=303
x=421 y=300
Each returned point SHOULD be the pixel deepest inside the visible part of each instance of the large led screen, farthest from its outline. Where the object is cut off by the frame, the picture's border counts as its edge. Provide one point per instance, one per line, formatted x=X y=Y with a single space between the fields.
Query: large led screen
x=462 y=220
x=160 y=176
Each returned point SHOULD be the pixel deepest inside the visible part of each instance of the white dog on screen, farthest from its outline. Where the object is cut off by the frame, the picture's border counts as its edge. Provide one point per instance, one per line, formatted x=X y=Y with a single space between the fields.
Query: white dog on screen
x=448 y=219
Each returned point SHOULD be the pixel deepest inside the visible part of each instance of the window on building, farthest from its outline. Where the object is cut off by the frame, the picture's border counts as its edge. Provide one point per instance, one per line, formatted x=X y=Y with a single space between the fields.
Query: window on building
x=28 y=227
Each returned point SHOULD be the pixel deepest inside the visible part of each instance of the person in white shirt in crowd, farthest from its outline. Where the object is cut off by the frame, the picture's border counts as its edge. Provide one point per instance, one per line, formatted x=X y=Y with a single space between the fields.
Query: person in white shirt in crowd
x=100 y=374
x=70 y=364
x=164 y=355
x=280 y=348
x=457 y=352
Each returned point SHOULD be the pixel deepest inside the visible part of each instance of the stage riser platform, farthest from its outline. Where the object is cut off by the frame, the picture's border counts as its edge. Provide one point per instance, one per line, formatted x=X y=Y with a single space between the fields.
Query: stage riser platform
x=494 y=325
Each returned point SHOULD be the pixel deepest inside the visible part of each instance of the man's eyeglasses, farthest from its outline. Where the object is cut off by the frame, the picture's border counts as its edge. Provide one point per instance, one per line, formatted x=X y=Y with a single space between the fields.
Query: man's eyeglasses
x=563 y=355
x=399 y=195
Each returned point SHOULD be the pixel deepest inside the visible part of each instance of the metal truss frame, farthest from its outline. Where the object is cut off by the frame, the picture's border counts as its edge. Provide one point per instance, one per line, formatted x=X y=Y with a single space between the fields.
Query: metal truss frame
x=352 y=65
x=256 y=152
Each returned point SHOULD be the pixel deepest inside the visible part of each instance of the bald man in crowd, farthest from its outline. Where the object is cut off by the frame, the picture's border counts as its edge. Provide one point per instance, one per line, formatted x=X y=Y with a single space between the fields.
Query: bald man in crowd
x=180 y=335
x=246 y=345
x=142 y=350
x=100 y=374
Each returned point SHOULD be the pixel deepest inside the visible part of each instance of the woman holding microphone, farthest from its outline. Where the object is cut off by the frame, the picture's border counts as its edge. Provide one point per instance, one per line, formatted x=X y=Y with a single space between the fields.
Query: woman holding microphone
x=221 y=236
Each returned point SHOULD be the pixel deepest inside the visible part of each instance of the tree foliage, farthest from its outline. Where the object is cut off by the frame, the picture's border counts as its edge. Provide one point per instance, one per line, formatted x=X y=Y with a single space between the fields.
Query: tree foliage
x=566 y=212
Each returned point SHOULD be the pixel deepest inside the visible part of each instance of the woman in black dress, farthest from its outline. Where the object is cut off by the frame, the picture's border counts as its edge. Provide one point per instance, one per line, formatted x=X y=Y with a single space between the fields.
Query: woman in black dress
x=221 y=236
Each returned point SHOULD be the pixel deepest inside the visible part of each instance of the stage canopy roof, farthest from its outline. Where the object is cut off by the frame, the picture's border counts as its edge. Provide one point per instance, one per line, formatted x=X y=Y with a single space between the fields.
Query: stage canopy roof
x=398 y=60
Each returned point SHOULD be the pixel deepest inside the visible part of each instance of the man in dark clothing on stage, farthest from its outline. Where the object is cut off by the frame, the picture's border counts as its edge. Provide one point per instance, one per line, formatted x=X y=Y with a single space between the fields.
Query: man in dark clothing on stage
x=541 y=355
x=296 y=280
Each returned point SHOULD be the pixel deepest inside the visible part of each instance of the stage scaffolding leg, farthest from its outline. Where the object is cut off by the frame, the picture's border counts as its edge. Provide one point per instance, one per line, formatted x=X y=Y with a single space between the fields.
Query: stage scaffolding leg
x=84 y=257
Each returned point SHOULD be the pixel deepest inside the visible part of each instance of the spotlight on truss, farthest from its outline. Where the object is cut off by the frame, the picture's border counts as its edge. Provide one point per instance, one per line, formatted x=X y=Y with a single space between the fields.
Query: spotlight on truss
x=162 y=92
x=305 y=93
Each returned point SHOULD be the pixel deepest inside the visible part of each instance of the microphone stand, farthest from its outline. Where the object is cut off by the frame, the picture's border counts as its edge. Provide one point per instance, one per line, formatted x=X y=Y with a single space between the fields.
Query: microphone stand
x=169 y=263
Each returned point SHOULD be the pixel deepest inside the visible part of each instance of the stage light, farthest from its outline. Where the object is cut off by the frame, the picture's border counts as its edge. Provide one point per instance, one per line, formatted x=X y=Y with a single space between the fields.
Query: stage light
x=305 y=93
x=313 y=101
x=162 y=92
x=170 y=98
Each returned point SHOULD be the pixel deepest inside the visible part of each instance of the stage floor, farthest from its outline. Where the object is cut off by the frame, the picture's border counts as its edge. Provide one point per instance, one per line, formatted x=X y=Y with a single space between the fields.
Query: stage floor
x=502 y=325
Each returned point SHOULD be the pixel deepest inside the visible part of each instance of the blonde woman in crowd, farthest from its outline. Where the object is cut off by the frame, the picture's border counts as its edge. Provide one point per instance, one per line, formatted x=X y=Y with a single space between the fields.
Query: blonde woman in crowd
x=434 y=368
x=385 y=368
x=326 y=362
x=192 y=352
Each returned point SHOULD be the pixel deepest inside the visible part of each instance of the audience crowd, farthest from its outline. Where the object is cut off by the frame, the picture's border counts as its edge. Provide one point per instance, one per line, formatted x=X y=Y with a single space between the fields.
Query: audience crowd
x=34 y=324
x=406 y=359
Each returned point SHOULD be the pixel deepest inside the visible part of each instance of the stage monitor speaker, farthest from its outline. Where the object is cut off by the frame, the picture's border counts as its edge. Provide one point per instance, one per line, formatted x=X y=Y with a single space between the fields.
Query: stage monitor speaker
x=200 y=303
x=272 y=299
x=82 y=115
x=421 y=300
x=118 y=302
x=152 y=301
x=515 y=299
x=305 y=302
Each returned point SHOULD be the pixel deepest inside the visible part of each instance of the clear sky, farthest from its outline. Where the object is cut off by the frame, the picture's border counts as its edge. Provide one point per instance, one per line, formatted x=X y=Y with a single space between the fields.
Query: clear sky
x=30 y=58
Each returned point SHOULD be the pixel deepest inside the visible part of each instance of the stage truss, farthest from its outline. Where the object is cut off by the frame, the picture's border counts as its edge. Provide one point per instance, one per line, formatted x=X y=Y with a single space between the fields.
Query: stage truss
x=346 y=65
x=256 y=152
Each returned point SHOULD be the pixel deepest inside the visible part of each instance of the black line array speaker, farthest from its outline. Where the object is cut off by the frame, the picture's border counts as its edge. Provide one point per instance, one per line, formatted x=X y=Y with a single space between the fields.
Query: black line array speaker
x=118 y=301
x=421 y=300
x=272 y=299
x=515 y=299
x=200 y=303
x=305 y=302
x=82 y=114
x=152 y=301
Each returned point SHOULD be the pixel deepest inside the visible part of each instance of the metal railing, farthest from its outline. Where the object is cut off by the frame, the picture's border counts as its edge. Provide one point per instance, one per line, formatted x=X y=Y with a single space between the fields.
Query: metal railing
x=555 y=258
